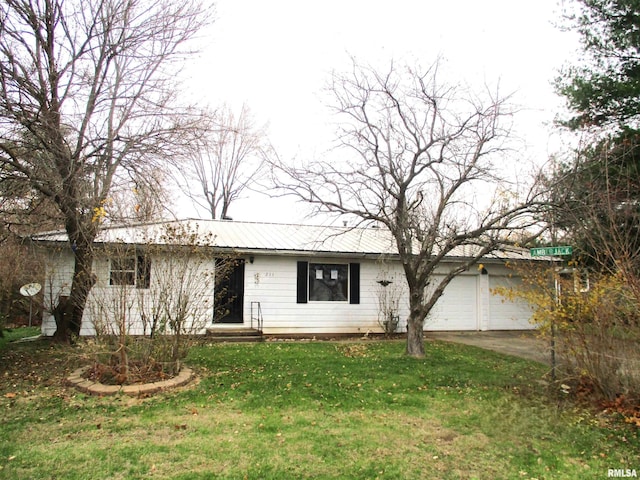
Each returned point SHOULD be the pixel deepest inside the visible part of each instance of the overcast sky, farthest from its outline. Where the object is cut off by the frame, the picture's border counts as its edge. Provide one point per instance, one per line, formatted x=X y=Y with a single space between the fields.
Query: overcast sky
x=277 y=56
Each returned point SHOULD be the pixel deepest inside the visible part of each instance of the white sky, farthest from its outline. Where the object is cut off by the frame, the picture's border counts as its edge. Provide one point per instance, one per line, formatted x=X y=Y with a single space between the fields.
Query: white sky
x=277 y=55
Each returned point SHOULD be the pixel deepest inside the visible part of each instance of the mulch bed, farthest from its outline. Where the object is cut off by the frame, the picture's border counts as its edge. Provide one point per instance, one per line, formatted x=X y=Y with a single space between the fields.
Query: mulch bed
x=138 y=373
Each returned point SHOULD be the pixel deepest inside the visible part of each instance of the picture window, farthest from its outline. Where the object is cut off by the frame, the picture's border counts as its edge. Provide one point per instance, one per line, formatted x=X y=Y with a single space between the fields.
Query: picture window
x=328 y=282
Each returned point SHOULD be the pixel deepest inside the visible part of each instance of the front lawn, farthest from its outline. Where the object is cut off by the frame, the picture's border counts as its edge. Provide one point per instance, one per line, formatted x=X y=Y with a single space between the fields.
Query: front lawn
x=281 y=410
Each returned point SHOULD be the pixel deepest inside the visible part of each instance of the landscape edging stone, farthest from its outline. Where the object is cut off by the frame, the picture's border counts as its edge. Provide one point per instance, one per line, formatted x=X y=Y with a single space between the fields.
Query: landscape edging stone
x=99 y=389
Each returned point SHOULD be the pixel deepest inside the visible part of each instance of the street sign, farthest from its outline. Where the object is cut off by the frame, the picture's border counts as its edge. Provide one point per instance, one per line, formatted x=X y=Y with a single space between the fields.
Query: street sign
x=551 y=251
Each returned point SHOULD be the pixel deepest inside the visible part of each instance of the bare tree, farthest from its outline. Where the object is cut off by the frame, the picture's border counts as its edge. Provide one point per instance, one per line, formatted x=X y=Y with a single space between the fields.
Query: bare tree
x=20 y=265
x=226 y=161
x=143 y=198
x=22 y=209
x=421 y=163
x=88 y=93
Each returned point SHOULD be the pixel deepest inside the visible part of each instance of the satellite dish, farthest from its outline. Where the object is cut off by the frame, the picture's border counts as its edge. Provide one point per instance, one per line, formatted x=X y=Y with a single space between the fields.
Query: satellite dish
x=30 y=289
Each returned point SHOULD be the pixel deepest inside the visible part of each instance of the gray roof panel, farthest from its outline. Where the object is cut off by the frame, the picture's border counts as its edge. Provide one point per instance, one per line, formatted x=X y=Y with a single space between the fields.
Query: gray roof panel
x=269 y=237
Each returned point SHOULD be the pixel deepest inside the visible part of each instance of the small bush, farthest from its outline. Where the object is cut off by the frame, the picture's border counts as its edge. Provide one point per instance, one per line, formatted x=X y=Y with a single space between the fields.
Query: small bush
x=390 y=291
x=597 y=330
x=600 y=338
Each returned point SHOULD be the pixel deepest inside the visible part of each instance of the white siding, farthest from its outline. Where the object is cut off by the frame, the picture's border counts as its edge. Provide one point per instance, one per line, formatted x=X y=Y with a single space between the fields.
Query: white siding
x=272 y=281
x=58 y=275
x=109 y=302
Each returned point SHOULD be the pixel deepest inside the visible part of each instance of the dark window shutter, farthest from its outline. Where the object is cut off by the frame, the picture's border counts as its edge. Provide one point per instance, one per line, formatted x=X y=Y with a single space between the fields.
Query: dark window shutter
x=303 y=279
x=354 y=283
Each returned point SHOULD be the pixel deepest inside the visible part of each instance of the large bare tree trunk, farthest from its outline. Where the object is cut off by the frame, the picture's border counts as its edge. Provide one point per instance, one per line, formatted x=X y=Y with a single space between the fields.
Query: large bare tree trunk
x=415 y=337
x=415 y=324
x=83 y=281
x=69 y=318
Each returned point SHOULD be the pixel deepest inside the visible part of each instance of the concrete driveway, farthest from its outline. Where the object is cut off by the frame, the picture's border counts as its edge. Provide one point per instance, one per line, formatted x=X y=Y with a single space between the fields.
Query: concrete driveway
x=522 y=343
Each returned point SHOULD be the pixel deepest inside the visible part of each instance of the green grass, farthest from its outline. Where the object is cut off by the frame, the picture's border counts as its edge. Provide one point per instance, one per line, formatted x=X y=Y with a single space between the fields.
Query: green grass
x=311 y=410
x=13 y=334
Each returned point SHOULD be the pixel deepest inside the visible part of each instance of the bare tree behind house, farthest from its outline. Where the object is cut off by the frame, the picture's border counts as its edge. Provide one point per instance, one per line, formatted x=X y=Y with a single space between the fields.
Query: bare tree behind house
x=87 y=95
x=21 y=264
x=145 y=197
x=226 y=161
x=419 y=161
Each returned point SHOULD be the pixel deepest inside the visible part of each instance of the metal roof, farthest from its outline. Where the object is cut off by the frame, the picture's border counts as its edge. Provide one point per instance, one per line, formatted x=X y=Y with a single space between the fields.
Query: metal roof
x=247 y=236
x=267 y=237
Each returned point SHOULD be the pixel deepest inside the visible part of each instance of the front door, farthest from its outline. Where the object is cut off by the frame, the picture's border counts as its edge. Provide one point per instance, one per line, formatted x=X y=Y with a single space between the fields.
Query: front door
x=230 y=296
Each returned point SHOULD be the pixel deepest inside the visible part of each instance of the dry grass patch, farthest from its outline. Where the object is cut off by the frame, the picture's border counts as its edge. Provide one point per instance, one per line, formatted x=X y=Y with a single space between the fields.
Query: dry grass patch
x=223 y=442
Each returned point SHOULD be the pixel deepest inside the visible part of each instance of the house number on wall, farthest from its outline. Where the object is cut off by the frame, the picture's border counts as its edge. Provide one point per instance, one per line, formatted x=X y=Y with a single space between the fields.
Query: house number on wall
x=257 y=276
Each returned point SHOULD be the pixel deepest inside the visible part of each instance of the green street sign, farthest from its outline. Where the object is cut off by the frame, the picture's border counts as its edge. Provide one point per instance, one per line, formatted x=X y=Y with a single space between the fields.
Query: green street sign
x=551 y=251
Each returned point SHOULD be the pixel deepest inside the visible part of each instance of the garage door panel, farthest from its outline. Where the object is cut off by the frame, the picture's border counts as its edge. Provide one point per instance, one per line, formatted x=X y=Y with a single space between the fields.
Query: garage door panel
x=457 y=309
x=506 y=314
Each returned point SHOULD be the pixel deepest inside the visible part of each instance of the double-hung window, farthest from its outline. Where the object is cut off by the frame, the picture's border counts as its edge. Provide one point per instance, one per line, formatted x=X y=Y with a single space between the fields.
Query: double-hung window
x=134 y=270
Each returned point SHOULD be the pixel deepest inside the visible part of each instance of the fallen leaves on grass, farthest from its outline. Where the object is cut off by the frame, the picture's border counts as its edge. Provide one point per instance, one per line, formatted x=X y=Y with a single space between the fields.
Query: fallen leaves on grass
x=38 y=367
x=628 y=409
x=353 y=350
x=634 y=420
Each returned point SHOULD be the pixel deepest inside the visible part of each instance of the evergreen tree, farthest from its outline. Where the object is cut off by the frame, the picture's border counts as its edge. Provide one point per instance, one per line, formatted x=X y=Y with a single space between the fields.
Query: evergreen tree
x=597 y=195
x=604 y=90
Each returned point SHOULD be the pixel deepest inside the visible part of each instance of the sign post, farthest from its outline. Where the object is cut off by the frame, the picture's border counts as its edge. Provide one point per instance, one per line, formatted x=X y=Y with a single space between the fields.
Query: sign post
x=553 y=252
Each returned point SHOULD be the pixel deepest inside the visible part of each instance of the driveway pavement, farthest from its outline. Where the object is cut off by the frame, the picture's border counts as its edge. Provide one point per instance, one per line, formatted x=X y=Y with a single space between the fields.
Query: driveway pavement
x=523 y=343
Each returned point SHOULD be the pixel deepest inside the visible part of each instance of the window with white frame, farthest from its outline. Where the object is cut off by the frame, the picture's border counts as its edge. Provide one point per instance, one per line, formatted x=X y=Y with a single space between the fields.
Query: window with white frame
x=134 y=270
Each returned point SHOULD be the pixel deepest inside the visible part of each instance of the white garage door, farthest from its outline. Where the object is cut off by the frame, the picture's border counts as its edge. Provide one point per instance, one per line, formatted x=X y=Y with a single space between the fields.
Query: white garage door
x=505 y=314
x=457 y=309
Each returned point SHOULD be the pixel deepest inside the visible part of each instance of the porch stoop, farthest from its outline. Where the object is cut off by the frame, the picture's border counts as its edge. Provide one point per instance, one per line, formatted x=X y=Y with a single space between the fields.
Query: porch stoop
x=234 y=335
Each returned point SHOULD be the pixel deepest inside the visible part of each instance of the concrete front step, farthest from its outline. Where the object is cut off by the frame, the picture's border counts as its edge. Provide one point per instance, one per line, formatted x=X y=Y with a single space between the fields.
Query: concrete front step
x=234 y=335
